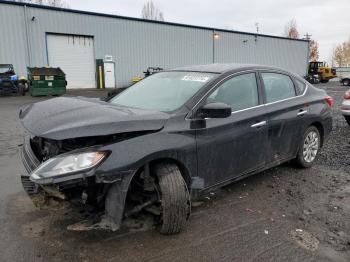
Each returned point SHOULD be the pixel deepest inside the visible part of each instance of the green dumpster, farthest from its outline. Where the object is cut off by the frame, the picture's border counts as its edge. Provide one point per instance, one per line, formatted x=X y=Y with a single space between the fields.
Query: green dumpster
x=46 y=81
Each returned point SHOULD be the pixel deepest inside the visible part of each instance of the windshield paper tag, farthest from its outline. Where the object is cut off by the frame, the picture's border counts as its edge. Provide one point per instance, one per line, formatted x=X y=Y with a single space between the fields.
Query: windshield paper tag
x=195 y=78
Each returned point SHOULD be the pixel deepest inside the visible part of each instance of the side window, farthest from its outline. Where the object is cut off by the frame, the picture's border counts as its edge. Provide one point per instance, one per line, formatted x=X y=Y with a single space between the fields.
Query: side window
x=300 y=86
x=277 y=86
x=239 y=92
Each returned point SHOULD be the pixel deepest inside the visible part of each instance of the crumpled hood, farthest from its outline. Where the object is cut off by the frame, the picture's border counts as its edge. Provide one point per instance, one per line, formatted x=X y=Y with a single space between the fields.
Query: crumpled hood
x=71 y=117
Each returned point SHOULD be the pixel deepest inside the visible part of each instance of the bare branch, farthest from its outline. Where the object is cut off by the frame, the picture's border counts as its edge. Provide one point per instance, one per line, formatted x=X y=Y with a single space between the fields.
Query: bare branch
x=313 y=51
x=151 y=12
x=341 y=54
x=291 y=29
x=55 y=3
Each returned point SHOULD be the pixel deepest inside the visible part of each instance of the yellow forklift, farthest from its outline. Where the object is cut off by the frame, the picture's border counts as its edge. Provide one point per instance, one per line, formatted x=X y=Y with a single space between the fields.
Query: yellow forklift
x=320 y=72
x=135 y=79
x=148 y=72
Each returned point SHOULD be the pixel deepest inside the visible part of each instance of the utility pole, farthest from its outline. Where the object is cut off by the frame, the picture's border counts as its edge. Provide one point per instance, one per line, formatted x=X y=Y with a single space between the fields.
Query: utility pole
x=257 y=27
x=307 y=36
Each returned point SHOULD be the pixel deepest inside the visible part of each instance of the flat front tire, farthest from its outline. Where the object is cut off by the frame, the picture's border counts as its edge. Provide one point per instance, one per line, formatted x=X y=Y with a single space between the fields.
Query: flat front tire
x=175 y=199
x=309 y=147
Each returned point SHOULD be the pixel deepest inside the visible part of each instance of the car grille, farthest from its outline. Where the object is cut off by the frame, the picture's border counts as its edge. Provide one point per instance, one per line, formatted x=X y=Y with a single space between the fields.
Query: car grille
x=30 y=187
x=30 y=163
x=29 y=159
x=6 y=83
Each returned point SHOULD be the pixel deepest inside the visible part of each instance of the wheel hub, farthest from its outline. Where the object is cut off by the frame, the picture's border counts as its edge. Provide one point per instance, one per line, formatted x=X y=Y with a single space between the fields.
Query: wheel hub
x=311 y=146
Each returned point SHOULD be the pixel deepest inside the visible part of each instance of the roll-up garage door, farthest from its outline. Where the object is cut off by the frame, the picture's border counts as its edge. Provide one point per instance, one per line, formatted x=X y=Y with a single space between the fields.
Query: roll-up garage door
x=75 y=56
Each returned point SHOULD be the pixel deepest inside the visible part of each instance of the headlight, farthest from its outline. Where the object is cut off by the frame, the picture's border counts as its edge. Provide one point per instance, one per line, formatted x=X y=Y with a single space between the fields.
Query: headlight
x=63 y=165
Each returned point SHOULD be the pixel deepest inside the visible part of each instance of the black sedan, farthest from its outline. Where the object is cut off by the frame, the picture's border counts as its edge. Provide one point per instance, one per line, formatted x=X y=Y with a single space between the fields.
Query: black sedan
x=159 y=144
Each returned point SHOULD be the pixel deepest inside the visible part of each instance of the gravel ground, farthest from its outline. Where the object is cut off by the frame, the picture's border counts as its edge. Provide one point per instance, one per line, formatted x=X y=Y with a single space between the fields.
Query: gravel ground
x=281 y=214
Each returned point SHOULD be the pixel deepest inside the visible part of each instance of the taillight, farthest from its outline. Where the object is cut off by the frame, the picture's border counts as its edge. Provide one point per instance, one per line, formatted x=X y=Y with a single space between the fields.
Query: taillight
x=329 y=101
x=347 y=95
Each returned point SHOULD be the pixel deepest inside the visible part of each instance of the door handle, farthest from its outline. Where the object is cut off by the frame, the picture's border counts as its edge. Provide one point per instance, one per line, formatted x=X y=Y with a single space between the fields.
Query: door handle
x=259 y=124
x=302 y=112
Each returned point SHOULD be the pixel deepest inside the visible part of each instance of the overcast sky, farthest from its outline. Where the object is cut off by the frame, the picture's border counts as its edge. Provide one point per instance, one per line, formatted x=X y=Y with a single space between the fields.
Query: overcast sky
x=326 y=20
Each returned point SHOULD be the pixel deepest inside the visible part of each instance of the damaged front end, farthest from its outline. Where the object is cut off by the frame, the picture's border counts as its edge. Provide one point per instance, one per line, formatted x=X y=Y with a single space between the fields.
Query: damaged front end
x=66 y=170
x=92 y=153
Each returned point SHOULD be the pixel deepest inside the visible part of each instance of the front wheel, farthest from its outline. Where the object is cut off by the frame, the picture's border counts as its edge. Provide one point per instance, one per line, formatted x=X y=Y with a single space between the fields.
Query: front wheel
x=347 y=119
x=309 y=147
x=175 y=199
x=346 y=82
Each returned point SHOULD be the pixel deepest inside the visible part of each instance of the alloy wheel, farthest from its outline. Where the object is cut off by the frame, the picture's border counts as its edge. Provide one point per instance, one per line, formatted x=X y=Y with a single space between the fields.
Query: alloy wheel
x=311 y=146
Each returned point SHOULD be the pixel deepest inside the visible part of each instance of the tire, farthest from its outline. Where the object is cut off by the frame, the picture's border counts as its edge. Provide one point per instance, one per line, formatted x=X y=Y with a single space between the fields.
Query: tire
x=346 y=82
x=307 y=155
x=175 y=199
x=347 y=119
x=21 y=89
x=324 y=81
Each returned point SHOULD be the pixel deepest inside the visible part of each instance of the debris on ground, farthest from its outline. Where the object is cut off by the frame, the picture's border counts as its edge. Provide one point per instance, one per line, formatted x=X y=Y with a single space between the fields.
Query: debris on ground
x=305 y=239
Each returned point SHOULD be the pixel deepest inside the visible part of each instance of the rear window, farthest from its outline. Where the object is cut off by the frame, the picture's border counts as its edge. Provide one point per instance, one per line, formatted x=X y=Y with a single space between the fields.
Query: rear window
x=240 y=92
x=277 y=87
x=300 y=86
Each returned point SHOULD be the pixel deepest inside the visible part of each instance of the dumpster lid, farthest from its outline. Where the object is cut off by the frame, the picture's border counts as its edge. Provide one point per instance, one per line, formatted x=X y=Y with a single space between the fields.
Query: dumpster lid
x=46 y=71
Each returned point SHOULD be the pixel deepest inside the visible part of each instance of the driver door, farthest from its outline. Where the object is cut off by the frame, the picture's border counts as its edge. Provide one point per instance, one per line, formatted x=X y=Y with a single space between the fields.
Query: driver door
x=233 y=146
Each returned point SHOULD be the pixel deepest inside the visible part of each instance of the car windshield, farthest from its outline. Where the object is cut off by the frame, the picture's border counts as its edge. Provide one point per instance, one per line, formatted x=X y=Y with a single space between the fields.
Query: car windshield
x=164 y=91
x=5 y=69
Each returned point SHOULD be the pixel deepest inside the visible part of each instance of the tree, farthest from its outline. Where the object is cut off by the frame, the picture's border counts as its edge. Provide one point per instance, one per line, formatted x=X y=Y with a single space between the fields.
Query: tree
x=313 y=51
x=55 y=3
x=151 y=12
x=291 y=30
x=338 y=55
x=341 y=54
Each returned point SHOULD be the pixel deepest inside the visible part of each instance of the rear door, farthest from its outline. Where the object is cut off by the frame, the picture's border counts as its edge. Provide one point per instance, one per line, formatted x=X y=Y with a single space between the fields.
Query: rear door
x=230 y=147
x=286 y=111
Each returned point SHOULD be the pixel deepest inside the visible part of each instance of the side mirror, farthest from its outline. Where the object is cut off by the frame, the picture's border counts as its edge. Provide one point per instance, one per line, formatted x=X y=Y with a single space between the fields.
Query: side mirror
x=215 y=110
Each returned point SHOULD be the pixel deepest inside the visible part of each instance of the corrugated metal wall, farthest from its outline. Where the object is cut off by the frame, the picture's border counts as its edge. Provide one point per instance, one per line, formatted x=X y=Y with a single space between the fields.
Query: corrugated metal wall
x=135 y=45
x=288 y=54
x=13 y=37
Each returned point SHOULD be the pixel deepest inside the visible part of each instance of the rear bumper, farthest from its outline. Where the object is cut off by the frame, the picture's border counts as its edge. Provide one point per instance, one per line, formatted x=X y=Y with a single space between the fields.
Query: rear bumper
x=345 y=108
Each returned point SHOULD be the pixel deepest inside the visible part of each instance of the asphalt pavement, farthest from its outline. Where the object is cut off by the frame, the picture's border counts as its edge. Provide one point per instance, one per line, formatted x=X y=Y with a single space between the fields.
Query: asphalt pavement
x=283 y=214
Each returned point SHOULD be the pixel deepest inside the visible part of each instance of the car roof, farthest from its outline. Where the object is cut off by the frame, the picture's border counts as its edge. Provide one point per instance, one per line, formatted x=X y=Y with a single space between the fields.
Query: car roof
x=222 y=68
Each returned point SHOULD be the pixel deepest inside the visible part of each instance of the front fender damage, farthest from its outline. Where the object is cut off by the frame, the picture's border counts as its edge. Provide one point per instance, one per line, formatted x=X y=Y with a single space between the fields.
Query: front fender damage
x=117 y=190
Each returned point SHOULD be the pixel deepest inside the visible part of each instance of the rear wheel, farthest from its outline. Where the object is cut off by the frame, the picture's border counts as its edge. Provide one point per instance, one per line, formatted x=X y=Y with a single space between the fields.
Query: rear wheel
x=309 y=147
x=175 y=199
x=347 y=119
x=324 y=81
